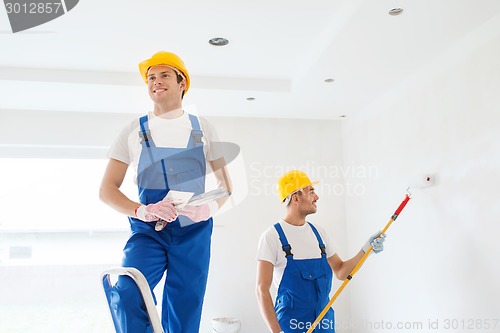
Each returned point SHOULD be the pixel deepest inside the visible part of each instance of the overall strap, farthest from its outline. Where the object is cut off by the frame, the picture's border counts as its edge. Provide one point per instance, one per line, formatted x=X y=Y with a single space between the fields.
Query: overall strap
x=322 y=246
x=145 y=135
x=196 y=133
x=284 y=242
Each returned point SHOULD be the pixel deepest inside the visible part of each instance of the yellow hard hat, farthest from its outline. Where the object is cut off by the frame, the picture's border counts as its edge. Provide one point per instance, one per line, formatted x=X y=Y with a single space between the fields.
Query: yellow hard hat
x=164 y=58
x=291 y=182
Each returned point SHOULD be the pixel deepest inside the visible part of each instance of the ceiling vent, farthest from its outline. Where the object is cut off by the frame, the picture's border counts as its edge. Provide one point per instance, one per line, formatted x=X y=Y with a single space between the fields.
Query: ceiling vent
x=395 y=11
x=218 y=41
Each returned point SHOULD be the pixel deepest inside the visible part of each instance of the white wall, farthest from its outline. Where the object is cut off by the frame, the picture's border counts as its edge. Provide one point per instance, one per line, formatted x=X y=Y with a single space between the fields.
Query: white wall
x=46 y=134
x=440 y=265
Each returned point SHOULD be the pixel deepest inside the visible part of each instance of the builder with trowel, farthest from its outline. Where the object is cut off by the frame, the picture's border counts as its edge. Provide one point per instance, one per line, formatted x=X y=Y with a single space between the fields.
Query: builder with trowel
x=168 y=149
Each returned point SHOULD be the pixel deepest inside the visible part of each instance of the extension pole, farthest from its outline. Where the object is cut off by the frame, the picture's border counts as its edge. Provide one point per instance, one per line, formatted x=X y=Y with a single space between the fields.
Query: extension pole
x=356 y=268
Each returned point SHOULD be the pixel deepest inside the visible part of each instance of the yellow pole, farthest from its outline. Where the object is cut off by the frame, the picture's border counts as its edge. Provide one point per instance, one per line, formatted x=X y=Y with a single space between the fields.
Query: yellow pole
x=356 y=268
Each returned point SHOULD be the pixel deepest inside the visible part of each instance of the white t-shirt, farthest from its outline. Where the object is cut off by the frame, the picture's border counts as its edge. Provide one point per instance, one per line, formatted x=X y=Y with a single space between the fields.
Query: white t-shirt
x=171 y=133
x=302 y=240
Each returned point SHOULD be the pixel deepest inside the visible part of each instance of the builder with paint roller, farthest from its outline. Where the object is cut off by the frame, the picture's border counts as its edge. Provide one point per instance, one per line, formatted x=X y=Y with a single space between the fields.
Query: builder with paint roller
x=168 y=149
x=300 y=258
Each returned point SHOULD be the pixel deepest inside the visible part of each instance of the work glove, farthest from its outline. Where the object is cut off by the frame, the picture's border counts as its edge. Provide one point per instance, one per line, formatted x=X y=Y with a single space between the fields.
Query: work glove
x=196 y=213
x=376 y=242
x=162 y=210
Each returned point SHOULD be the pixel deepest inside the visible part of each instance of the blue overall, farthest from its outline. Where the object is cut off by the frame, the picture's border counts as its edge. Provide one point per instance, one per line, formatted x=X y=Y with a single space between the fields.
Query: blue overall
x=182 y=248
x=304 y=290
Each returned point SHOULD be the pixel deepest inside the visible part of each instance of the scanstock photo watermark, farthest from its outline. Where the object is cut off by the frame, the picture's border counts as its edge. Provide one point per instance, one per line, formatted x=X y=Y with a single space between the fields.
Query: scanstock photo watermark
x=346 y=179
x=24 y=15
x=426 y=325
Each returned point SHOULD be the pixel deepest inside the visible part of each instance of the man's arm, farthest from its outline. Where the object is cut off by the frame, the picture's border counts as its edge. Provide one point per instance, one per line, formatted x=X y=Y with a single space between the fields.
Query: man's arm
x=341 y=268
x=222 y=175
x=218 y=165
x=264 y=280
x=110 y=192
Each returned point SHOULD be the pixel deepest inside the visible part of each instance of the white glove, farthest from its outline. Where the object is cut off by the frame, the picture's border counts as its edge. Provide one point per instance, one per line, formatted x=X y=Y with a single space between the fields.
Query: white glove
x=162 y=210
x=196 y=213
x=376 y=242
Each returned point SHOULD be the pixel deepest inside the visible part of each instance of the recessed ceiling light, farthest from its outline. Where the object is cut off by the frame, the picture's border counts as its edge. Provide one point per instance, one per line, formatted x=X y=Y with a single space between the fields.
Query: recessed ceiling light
x=250 y=98
x=396 y=11
x=218 y=41
x=329 y=80
x=343 y=116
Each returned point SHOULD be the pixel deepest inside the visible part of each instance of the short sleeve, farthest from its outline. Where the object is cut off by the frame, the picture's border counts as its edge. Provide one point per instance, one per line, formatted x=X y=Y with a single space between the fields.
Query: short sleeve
x=330 y=248
x=119 y=150
x=267 y=249
x=214 y=151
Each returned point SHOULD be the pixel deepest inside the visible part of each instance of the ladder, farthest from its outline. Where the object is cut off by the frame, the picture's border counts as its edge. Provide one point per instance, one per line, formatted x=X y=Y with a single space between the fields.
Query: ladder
x=144 y=289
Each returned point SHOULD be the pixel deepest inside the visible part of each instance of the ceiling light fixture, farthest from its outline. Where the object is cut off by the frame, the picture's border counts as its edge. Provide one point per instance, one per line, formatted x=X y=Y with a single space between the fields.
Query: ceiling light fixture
x=329 y=80
x=218 y=41
x=396 y=11
x=250 y=98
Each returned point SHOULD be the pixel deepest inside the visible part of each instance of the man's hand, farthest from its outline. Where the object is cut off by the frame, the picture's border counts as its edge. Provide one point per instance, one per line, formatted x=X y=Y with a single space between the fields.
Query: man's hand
x=162 y=210
x=196 y=213
x=376 y=241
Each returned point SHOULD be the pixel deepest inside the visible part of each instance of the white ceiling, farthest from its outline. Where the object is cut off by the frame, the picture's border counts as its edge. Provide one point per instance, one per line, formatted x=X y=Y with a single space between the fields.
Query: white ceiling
x=280 y=52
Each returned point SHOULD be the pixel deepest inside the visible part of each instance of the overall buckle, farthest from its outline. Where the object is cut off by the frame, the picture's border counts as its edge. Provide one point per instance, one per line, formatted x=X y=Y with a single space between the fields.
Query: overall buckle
x=288 y=250
x=144 y=135
x=197 y=135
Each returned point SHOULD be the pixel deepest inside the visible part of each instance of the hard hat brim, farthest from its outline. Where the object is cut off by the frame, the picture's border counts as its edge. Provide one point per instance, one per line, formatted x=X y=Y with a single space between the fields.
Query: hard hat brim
x=312 y=183
x=167 y=59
